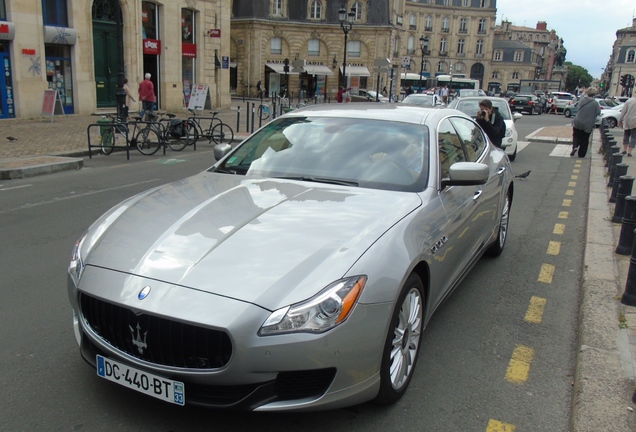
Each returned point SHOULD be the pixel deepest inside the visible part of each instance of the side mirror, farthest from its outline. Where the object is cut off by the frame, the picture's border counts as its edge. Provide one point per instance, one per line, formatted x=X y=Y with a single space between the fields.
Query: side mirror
x=220 y=150
x=516 y=116
x=466 y=174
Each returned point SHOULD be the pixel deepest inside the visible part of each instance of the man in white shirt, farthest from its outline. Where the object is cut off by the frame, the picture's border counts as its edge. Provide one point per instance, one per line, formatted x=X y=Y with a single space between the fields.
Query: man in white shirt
x=627 y=121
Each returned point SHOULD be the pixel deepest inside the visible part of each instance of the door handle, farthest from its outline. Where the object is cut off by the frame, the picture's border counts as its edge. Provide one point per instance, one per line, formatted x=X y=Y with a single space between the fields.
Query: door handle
x=477 y=194
x=501 y=170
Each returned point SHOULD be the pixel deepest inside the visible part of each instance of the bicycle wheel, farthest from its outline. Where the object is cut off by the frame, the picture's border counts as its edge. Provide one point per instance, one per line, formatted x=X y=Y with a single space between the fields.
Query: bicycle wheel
x=148 y=141
x=222 y=133
x=263 y=112
x=108 y=141
x=192 y=132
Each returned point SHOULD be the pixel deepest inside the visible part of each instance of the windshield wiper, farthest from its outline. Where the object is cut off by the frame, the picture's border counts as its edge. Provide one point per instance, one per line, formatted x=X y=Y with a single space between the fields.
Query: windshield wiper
x=321 y=180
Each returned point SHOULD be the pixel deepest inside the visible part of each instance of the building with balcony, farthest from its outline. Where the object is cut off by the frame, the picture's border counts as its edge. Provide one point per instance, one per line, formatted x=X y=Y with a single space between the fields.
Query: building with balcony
x=73 y=47
x=622 y=63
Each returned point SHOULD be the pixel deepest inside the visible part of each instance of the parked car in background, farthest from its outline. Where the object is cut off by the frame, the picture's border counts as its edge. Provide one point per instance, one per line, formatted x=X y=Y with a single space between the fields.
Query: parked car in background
x=573 y=108
x=610 y=115
x=525 y=103
x=470 y=92
x=300 y=271
x=563 y=100
x=420 y=99
x=368 y=96
x=470 y=106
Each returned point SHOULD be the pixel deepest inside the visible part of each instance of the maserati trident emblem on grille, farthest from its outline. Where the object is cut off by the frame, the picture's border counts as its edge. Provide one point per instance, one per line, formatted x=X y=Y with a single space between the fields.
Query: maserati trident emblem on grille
x=137 y=340
x=144 y=292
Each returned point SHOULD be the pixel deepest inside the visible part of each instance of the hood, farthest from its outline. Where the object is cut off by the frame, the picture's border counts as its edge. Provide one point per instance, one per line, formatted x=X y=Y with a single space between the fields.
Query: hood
x=264 y=241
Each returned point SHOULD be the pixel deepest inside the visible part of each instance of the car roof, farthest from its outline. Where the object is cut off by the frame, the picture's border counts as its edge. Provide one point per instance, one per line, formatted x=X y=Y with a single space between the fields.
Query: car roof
x=374 y=111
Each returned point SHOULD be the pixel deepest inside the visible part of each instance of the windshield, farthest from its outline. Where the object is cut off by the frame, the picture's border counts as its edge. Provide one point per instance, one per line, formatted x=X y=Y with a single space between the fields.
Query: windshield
x=470 y=107
x=356 y=152
x=422 y=100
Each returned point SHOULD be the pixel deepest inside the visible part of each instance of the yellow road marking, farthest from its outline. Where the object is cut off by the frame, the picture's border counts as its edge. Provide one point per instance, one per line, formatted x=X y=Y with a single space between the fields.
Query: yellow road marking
x=497 y=426
x=564 y=215
x=574 y=177
x=534 y=313
x=546 y=274
x=569 y=192
x=559 y=229
x=567 y=202
x=572 y=184
x=519 y=366
x=554 y=247
x=576 y=171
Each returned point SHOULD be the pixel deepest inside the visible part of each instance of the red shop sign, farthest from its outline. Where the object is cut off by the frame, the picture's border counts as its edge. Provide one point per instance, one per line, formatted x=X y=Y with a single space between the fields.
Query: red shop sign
x=188 y=50
x=152 y=46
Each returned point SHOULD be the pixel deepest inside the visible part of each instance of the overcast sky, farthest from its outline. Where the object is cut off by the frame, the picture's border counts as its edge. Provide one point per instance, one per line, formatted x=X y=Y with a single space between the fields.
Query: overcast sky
x=587 y=27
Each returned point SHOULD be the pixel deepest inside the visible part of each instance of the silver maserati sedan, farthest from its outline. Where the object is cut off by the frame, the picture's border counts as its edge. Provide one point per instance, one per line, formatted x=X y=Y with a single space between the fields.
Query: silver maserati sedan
x=300 y=270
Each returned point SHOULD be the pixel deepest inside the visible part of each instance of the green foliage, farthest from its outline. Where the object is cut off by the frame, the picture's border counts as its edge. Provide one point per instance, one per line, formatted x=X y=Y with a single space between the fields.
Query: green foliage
x=577 y=77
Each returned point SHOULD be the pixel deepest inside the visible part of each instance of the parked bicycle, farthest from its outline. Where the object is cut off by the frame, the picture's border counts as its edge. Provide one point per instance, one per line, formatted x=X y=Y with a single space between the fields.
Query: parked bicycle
x=263 y=111
x=117 y=133
x=211 y=128
x=164 y=129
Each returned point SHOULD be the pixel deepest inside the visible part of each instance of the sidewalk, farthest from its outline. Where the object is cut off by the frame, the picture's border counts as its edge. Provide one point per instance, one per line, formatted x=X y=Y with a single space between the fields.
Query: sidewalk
x=606 y=361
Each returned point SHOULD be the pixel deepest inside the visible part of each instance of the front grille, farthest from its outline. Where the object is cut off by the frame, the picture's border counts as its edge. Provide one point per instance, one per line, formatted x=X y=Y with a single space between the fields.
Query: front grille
x=154 y=339
x=302 y=384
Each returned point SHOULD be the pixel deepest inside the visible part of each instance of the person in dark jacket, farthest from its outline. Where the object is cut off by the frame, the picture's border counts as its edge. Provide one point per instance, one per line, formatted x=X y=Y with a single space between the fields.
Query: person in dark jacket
x=491 y=122
x=583 y=123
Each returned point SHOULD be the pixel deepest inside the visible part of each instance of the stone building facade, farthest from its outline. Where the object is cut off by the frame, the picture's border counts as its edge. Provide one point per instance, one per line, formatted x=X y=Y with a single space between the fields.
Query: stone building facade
x=73 y=47
x=622 y=62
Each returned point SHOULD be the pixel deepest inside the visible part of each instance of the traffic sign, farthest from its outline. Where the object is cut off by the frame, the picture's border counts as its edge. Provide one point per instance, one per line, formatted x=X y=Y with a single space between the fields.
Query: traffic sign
x=406 y=61
x=381 y=62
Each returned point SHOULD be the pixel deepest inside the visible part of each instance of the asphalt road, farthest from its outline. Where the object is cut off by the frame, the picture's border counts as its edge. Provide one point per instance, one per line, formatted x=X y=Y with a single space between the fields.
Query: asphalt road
x=484 y=365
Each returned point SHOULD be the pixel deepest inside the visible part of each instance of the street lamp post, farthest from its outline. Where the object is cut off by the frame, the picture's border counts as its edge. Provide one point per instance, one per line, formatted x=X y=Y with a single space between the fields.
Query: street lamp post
x=346 y=22
x=120 y=94
x=424 y=43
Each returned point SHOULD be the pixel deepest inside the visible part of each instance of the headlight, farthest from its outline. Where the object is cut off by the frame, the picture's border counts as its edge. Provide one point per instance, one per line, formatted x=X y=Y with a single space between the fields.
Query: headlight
x=76 y=266
x=508 y=132
x=322 y=312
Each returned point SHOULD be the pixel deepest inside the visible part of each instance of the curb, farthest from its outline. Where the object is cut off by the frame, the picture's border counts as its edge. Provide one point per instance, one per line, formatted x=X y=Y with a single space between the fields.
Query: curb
x=11 y=169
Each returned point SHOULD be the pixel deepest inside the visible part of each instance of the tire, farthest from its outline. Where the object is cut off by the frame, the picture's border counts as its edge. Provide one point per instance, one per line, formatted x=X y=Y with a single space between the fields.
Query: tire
x=222 y=133
x=403 y=342
x=498 y=246
x=148 y=141
x=108 y=141
x=567 y=113
x=263 y=114
x=513 y=156
x=192 y=132
x=611 y=122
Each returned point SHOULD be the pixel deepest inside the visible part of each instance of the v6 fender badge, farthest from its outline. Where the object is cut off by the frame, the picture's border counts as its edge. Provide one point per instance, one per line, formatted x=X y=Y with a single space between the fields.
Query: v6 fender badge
x=438 y=244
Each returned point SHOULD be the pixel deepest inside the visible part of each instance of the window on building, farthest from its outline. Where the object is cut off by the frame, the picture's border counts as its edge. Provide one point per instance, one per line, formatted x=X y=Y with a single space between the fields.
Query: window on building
x=54 y=12
x=465 y=3
x=149 y=22
x=410 y=45
x=447 y=2
x=188 y=52
x=498 y=56
x=396 y=47
x=463 y=25
x=428 y=23
x=441 y=67
x=276 y=45
x=480 y=47
x=460 y=46
x=495 y=75
x=483 y=3
x=313 y=47
x=445 y=24
x=357 y=8
x=518 y=56
x=631 y=54
x=315 y=10
x=3 y=11
x=482 y=25
x=442 y=45
x=459 y=67
x=278 y=8
x=413 y=21
x=515 y=75
x=353 y=48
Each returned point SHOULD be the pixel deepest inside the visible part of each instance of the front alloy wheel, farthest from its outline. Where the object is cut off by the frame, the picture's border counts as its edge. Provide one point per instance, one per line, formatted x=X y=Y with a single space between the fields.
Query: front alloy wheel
x=402 y=344
x=498 y=247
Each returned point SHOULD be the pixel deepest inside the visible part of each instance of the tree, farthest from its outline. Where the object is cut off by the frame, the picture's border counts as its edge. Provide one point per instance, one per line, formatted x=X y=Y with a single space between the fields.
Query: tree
x=577 y=77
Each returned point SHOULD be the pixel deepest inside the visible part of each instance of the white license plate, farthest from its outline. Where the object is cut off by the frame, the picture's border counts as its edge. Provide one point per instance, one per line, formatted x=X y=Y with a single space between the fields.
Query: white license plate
x=144 y=382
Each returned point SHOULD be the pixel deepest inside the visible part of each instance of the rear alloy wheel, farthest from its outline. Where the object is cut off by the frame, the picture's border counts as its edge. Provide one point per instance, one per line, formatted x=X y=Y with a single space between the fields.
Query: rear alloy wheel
x=567 y=113
x=402 y=344
x=611 y=122
x=498 y=246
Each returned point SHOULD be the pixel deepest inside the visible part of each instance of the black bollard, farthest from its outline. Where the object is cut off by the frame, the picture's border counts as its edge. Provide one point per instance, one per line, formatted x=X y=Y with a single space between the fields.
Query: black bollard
x=253 y=114
x=613 y=150
x=625 y=184
x=238 y=119
x=626 y=239
x=273 y=109
x=629 y=295
x=615 y=160
x=619 y=171
x=608 y=145
x=247 y=118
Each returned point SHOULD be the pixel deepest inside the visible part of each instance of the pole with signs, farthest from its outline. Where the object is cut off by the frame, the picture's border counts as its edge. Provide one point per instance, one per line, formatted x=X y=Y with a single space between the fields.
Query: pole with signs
x=381 y=66
x=391 y=73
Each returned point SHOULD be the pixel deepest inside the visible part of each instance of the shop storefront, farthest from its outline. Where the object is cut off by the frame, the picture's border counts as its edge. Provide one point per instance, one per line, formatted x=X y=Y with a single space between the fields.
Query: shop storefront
x=188 y=53
x=277 y=80
x=59 y=73
x=357 y=77
x=7 y=107
x=151 y=45
x=314 y=80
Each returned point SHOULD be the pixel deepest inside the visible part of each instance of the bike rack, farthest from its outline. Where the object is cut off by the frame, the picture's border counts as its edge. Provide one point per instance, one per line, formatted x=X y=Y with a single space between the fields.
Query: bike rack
x=102 y=125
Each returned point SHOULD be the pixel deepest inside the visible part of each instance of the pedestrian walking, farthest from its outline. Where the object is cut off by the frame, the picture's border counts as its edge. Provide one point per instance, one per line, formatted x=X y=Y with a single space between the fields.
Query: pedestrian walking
x=627 y=121
x=583 y=123
x=147 y=96
x=553 y=107
x=129 y=98
x=491 y=122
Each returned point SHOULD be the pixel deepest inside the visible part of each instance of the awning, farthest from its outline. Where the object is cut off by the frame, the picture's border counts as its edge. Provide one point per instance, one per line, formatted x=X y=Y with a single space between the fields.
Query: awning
x=278 y=68
x=356 y=70
x=318 y=70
